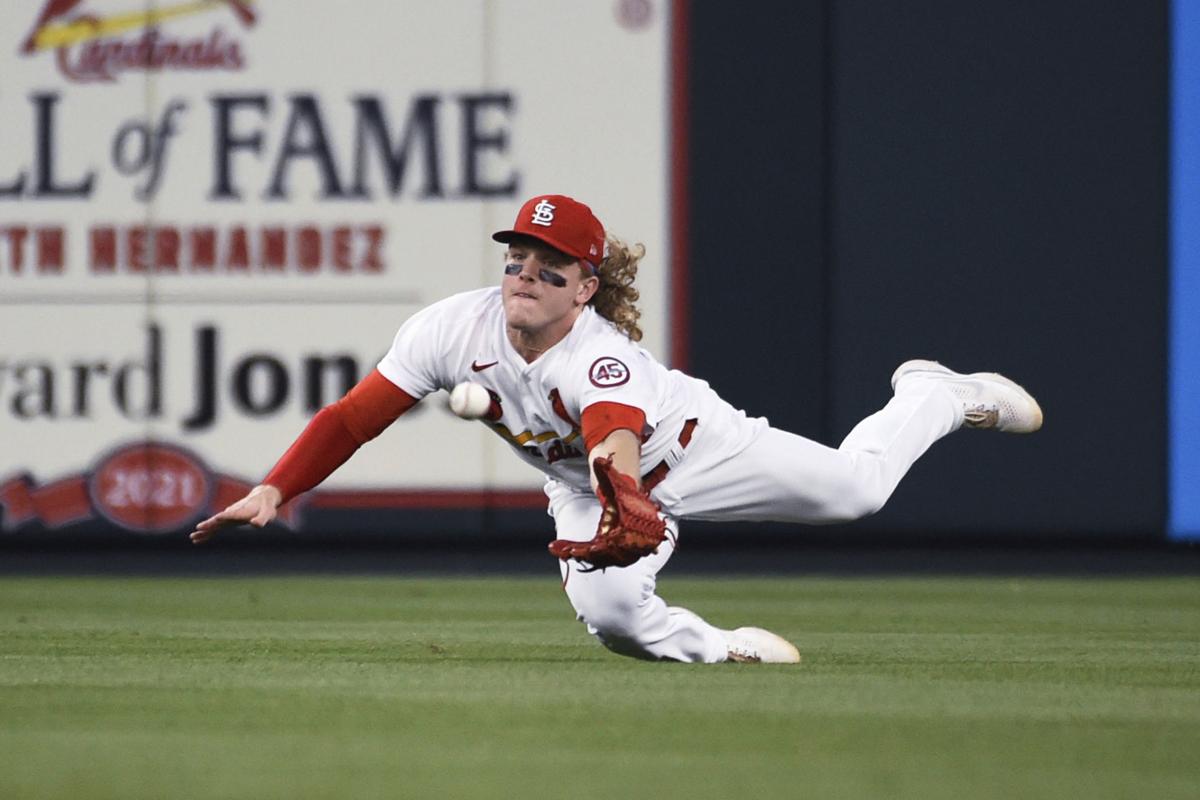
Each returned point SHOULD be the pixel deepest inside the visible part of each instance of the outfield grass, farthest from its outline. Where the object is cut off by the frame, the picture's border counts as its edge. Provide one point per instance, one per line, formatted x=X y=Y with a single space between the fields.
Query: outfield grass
x=372 y=687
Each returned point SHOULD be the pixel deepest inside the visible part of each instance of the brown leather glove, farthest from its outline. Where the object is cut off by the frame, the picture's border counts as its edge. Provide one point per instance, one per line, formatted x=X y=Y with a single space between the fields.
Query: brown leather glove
x=630 y=525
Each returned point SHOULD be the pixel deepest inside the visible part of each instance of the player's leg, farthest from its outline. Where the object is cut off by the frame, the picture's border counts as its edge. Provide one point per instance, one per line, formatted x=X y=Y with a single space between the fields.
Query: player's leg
x=620 y=607
x=782 y=476
x=619 y=604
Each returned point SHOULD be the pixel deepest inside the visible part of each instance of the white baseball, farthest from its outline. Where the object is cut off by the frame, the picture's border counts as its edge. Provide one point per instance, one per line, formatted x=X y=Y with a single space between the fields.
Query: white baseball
x=470 y=400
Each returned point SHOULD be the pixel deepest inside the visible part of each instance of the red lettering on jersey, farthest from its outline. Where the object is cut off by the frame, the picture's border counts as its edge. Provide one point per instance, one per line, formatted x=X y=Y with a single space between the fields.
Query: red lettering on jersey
x=558 y=451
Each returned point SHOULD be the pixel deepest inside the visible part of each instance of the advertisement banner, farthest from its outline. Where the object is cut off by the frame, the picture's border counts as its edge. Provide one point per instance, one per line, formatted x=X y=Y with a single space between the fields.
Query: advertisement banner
x=215 y=215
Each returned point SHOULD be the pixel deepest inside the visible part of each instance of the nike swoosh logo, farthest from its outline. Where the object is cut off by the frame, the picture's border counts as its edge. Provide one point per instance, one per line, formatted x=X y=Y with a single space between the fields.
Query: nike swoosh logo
x=477 y=367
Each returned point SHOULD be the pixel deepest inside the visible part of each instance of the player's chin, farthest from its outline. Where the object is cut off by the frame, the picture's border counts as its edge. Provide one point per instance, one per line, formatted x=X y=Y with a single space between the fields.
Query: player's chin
x=520 y=312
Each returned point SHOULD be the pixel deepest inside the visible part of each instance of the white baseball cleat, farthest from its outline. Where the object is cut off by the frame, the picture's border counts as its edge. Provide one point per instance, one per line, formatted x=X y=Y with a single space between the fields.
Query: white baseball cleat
x=756 y=646
x=989 y=400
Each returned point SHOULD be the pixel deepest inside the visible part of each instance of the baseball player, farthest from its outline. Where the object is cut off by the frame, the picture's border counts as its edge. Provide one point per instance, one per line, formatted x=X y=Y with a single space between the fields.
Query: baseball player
x=629 y=448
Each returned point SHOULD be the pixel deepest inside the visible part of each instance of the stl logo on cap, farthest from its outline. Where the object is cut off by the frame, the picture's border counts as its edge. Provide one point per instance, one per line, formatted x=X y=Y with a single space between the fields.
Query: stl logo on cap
x=543 y=214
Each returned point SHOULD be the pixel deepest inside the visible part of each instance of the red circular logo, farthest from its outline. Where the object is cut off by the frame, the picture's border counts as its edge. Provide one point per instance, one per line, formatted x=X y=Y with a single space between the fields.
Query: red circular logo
x=607 y=372
x=150 y=488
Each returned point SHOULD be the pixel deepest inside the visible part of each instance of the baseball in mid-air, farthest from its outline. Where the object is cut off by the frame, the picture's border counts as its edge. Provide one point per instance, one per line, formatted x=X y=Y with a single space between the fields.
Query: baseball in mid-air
x=470 y=400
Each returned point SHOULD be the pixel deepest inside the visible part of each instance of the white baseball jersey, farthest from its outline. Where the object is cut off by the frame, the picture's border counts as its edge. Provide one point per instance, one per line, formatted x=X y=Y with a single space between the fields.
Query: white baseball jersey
x=463 y=338
x=733 y=467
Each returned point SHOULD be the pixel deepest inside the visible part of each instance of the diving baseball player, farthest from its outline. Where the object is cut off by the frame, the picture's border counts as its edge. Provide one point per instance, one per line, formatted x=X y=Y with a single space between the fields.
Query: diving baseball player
x=628 y=447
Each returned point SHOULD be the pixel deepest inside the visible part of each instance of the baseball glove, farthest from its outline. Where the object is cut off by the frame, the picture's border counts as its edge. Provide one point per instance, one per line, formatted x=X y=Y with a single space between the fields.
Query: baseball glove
x=630 y=526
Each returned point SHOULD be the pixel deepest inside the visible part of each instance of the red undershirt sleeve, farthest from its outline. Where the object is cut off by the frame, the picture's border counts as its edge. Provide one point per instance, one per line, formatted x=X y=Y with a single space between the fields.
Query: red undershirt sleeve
x=601 y=419
x=337 y=430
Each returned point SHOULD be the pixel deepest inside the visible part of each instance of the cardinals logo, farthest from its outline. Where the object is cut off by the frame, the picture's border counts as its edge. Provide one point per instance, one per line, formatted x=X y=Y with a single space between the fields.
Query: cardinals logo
x=543 y=213
x=92 y=46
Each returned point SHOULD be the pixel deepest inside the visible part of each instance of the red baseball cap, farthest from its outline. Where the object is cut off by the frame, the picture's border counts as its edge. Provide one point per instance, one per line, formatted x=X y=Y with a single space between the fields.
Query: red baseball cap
x=561 y=222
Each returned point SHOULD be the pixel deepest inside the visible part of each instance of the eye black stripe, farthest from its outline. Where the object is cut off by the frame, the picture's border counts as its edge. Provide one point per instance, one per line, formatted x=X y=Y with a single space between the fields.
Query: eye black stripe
x=548 y=276
x=552 y=278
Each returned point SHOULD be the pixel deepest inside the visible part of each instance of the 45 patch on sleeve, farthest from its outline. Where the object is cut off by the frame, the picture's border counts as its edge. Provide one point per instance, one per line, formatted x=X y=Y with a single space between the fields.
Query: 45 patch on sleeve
x=607 y=372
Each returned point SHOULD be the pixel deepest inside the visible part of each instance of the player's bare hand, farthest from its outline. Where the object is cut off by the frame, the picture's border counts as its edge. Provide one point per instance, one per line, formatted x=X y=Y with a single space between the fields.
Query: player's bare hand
x=257 y=508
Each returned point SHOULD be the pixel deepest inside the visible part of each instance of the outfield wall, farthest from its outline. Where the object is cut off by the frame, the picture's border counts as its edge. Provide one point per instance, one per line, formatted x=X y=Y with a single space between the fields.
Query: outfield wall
x=983 y=184
x=201 y=254
x=826 y=188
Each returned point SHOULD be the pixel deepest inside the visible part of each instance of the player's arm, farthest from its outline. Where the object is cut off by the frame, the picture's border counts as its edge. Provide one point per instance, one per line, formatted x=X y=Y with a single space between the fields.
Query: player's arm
x=631 y=525
x=330 y=438
x=614 y=429
x=625 y=447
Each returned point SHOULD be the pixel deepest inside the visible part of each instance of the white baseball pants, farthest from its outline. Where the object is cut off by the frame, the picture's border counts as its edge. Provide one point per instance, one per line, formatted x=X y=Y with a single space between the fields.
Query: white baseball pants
x=779 y=476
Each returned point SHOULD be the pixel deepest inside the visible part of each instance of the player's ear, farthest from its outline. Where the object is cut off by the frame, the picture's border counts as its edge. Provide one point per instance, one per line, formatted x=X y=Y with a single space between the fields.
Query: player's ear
x=587 y=289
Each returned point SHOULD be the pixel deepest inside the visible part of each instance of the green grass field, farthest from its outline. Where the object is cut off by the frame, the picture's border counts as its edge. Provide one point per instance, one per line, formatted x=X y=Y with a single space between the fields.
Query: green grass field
x=487 y=688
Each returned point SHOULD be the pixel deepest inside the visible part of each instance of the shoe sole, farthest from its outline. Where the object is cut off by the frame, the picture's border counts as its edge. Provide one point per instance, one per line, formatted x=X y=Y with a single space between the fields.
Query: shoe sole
x=921 y=365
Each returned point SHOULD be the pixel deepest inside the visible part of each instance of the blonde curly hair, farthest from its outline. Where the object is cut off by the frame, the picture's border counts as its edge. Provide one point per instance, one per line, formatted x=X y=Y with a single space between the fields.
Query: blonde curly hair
x=615 y=298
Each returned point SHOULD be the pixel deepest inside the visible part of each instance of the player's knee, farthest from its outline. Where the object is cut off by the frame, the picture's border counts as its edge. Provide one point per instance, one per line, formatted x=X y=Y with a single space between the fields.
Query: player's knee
x=612 y=616
x=855 y=502
x=857 y=492
x=619 y=622
x=868 y=503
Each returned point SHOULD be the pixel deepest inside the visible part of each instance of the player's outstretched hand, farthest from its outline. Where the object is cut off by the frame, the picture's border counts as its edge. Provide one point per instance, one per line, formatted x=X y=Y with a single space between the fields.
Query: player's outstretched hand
x=258 y=508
